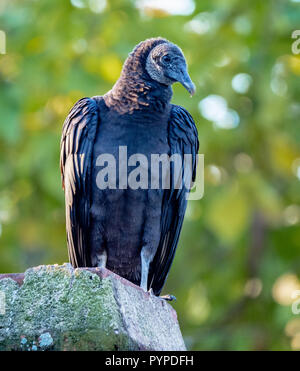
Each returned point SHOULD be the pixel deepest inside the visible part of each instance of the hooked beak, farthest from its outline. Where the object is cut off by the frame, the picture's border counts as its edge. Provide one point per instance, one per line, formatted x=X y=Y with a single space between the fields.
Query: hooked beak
x=186 y=82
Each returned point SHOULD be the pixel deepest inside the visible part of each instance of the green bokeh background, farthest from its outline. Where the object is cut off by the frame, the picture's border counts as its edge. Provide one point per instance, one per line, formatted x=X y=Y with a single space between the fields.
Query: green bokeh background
x=238 y=259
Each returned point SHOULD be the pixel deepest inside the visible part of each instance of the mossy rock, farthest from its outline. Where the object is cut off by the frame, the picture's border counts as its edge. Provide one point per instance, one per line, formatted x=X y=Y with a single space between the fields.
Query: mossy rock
x=61 y=308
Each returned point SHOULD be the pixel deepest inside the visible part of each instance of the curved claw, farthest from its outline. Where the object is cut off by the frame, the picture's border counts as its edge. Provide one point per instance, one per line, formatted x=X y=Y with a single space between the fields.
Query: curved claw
x=169 y=297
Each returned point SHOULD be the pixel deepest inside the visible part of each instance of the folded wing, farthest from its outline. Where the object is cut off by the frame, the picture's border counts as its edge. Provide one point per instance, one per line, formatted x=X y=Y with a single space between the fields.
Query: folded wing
x=77 y=141
x=183 y=140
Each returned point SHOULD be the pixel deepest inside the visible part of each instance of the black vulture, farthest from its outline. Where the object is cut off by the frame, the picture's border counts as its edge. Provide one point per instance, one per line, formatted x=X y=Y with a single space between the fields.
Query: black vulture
x=132 y=231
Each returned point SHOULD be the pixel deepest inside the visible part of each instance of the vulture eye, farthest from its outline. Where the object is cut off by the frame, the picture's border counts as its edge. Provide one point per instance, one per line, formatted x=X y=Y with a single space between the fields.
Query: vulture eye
x=166 y=59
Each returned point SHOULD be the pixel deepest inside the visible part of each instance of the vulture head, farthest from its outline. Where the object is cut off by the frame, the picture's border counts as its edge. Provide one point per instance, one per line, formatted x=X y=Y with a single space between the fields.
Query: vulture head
x=166 y=64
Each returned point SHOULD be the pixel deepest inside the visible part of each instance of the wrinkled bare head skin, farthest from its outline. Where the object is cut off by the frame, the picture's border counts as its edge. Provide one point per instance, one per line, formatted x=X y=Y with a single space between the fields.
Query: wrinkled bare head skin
x=166 y=64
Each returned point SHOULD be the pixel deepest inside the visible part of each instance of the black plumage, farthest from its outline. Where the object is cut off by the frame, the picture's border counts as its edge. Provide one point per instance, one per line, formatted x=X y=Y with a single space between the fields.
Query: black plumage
x=133 y=232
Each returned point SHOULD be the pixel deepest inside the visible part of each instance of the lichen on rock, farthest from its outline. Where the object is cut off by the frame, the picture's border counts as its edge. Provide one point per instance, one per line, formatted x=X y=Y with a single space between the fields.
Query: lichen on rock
x=61 y=308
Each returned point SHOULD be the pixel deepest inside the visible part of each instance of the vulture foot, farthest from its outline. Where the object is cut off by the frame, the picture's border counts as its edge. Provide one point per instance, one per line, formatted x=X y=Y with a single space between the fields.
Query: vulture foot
x=164 y=297
x=150 y=292
x=169 y=297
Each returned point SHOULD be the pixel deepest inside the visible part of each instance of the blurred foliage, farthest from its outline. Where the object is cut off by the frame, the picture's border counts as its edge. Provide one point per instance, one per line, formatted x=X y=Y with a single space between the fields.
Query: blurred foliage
x=238 y=261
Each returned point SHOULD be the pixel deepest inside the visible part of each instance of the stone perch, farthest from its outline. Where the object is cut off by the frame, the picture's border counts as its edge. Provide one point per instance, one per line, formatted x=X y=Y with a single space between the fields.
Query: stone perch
x=60 y=308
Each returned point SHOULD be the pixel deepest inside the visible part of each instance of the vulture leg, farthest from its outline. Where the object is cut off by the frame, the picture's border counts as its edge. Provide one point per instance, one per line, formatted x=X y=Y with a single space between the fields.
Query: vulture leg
x=146 y=258
x=102 y=259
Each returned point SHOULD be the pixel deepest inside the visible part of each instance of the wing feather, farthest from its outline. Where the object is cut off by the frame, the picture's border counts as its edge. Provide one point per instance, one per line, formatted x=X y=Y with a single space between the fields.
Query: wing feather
x=78 y=135
x=183 y=139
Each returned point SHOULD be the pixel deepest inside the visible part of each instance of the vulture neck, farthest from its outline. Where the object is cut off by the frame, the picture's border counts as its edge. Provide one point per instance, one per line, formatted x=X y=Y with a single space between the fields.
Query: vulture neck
x=139 y=94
